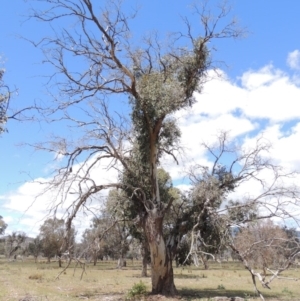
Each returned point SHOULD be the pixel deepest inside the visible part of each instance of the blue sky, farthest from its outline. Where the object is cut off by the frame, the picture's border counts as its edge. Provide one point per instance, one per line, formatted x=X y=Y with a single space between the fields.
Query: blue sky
x=259 y=91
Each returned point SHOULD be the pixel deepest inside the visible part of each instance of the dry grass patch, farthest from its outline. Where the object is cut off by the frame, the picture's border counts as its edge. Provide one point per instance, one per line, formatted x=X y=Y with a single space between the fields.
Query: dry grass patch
x=36 y=276
x=104 y=282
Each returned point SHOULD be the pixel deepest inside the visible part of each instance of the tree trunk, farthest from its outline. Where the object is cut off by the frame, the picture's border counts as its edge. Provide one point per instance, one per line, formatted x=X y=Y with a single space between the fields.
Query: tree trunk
x=204 y=261
x=161 y=259
x=95 y=258
x=120 y=263
x=145 y=255
x=95 y=250
x=264 y=271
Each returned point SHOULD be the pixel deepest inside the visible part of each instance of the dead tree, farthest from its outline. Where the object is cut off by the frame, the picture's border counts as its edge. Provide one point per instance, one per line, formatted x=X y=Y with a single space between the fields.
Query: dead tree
x=242 y=217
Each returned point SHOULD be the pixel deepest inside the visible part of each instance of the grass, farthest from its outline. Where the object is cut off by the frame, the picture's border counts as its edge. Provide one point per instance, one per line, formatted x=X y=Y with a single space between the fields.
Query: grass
x=37 y=282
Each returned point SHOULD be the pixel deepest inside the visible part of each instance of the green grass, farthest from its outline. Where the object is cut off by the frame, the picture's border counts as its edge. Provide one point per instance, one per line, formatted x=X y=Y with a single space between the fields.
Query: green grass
x=21 y=279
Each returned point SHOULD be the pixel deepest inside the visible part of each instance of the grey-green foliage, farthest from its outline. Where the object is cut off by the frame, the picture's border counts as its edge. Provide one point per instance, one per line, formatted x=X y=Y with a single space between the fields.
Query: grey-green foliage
x=129 y=203
x=168 y=84
x=200 y=206
x=126 y=206
x=35 y=247
x=162 y=88
x=110 y=232
x=52 y=234
x=240 y=212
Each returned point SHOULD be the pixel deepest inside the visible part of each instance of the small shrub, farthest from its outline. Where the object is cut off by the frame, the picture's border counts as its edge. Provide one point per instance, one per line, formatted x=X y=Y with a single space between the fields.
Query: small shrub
x=36 y=276
x=138 y=290
x=287 y=291
x=221 y=287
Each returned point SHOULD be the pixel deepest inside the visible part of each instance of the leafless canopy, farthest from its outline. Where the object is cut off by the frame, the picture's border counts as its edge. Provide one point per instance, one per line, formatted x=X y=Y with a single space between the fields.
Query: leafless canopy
x=242 y=215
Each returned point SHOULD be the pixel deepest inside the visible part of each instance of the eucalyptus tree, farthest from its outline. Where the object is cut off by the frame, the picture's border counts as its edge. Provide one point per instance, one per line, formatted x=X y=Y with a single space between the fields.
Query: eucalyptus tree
x=91 y=244
x=158 y=78
x=107 y=236
x=52 y=233
x=126 y=205
x=35 y=248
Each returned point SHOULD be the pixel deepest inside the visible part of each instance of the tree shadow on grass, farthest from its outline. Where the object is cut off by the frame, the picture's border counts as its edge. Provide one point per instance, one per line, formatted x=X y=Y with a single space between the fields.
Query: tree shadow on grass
x=189 y=276
x=192 y=294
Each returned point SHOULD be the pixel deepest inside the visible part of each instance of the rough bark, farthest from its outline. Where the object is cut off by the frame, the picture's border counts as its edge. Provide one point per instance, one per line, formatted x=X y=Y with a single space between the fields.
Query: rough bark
x=161 y=260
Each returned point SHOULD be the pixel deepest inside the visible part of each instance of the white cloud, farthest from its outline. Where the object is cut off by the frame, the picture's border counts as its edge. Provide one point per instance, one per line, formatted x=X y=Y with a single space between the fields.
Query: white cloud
x=266 y=76
x=8 y=219
x=27 y=207
x=265 y=104
x=293 y=60
x=285 y=145
x=270 y=94
x=267 y=93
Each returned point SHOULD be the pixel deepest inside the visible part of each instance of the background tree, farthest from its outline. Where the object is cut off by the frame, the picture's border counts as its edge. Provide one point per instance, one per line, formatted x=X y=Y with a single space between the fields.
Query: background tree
x=15 y=242
x=293 y=242
x=91 y=245
x=117 y=239
x=206 y=230
x=3 y=225
x=52 y=235
x=35 y=247
x=182 y=255
x=96 y=241
x=262 y=244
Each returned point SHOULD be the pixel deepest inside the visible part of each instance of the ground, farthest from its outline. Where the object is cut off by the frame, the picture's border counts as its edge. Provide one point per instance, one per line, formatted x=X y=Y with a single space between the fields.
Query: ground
x=27 y=281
